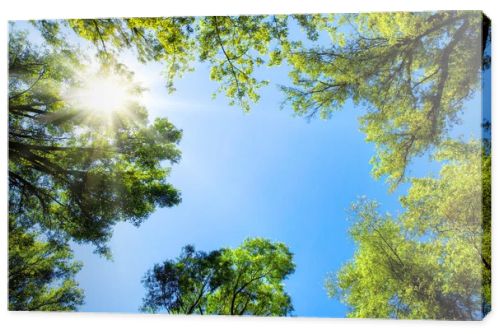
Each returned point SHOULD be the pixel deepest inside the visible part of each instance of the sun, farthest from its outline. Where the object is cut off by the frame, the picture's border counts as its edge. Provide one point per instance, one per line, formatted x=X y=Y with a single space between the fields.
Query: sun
x=102 y=94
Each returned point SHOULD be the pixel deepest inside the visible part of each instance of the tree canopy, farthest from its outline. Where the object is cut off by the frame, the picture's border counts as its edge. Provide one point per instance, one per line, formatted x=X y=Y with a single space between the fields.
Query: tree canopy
x=431 y=261
x=247 y=280
x=41 y=273
x=233 y=45
x=412 y=71
x=75 y=171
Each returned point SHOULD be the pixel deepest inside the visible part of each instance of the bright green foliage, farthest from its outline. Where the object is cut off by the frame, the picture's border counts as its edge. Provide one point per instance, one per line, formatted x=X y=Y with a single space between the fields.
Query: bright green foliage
x=247 y=280
x=486 y=221
x=41 y=273
x=412 y=71
x=255 y=285
x=457 y=208
x=153 y=39
x=430 y=261
x=75 y=172
x=234 y=46
x=182 y=285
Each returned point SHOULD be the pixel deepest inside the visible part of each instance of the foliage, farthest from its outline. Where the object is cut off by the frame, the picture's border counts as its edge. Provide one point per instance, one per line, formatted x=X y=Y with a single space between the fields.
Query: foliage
x=413 y=72
x=73 y=173
x=233 y=46
x=430 y=262
x=486 y=232
x=76 y=172
x=247 y=280
x=41 y=273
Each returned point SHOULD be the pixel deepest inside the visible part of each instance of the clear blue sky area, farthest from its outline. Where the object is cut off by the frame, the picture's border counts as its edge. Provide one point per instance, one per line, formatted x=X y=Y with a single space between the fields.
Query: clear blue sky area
x=263 y=174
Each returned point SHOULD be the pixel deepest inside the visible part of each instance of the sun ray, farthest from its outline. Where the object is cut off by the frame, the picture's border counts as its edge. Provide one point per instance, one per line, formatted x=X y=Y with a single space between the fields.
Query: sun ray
x=101 y=95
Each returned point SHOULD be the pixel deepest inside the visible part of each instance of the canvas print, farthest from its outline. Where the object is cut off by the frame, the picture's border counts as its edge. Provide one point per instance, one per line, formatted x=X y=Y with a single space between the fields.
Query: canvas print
x=309 y=165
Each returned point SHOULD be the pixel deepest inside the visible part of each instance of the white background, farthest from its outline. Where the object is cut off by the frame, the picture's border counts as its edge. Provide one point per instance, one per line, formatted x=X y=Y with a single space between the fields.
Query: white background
x=20 y=322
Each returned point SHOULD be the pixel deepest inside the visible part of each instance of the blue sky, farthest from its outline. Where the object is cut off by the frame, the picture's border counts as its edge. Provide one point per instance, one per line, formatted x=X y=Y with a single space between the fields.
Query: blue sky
x=263 y=174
